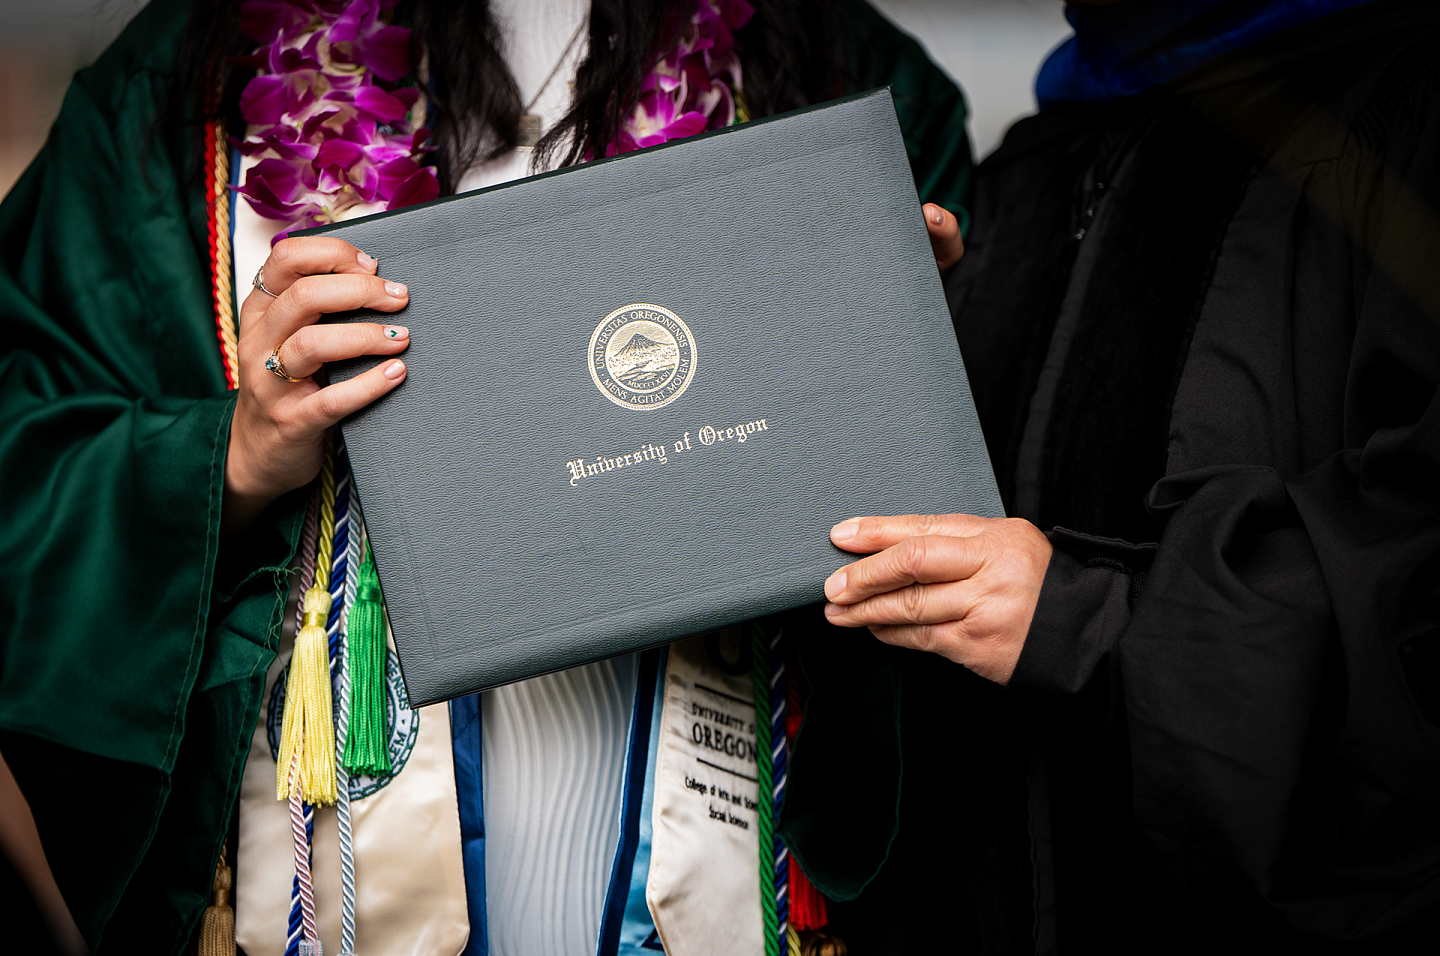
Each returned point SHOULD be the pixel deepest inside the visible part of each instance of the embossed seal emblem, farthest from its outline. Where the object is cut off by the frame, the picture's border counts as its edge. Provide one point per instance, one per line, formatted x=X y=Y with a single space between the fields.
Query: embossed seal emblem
x=642 y=356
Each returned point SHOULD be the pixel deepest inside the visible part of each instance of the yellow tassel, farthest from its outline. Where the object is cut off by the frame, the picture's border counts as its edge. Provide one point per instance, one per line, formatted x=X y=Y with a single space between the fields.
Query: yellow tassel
x=217 y=929
x=309 y=727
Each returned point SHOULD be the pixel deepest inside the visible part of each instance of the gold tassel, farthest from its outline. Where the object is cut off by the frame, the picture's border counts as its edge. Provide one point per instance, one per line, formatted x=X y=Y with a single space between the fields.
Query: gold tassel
x=217 y=930
x=309 y=726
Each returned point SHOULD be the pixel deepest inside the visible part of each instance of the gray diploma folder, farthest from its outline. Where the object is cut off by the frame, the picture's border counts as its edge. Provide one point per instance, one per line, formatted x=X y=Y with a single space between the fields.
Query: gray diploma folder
x=642 y=390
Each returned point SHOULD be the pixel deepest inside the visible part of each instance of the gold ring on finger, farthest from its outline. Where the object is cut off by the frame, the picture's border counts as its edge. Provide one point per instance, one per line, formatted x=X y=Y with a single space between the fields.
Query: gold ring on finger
x=259 y=283
x=274 y=364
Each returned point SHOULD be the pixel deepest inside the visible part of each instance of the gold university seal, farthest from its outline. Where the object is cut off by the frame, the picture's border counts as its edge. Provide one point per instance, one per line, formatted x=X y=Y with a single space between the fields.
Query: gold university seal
x=642 y=356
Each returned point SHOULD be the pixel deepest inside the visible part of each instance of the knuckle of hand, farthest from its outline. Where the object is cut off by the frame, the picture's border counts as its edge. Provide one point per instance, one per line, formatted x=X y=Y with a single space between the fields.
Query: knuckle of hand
x=355 y=289
x=929 y=524
x=948 y=636
x=373 y=288
x=1022 y=532
x=1010 y=564
x=287 y=428
x=302 y=293
x=912 y=555
x=912 y=603
x=304 y=343
x=330 y=404
x=283 y=253
x=921 y=637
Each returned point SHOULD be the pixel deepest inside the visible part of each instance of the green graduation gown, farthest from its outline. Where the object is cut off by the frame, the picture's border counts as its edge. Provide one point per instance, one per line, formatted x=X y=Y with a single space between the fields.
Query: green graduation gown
x=133 y=641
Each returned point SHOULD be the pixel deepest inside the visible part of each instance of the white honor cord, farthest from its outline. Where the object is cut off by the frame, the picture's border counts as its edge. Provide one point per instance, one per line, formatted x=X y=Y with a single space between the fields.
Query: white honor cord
x=351 y=558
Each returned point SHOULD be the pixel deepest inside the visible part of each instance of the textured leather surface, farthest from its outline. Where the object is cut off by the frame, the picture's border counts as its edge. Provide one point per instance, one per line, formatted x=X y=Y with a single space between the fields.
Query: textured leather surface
x=795 y=252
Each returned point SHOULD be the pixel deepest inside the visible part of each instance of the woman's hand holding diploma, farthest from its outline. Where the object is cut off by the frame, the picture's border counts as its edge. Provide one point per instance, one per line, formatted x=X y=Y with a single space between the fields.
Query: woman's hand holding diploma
x=960 y=586
x=278 y=432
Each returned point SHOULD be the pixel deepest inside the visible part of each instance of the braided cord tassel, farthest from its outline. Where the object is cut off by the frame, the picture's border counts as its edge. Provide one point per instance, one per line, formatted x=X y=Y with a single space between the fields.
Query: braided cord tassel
x=217 y=926
x=367 y=738
x=308 y=715
x=221 y=252
x=218 y=936
x=339 y=552
x=766 y=772
x=222 y=279
x=325 y=541
x=309 y=774
x=307 y=550
x=780 y=776
x=302 y=939
x=302 y=830
x=342 y=594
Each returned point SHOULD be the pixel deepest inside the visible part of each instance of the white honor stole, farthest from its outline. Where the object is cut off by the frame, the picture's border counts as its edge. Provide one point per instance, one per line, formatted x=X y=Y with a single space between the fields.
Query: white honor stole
x=703 y=888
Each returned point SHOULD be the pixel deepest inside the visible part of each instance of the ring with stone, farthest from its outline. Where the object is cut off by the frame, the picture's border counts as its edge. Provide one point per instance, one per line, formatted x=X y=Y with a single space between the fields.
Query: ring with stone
x=274 y=364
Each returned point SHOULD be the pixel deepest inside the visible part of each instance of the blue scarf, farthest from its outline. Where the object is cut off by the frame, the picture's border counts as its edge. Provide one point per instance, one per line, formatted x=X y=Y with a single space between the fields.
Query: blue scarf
x=1126 y=48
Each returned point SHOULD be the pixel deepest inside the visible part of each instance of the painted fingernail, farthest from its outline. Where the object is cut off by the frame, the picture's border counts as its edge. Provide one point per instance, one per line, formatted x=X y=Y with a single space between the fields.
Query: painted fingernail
x=396 y=289
x=844 y=531
x=396 y=332
x=394 y=370
x=835 y=584
x=368 y=262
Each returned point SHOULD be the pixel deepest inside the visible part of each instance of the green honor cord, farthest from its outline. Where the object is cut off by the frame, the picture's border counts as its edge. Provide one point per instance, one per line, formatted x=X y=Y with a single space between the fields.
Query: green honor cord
x=764 y=764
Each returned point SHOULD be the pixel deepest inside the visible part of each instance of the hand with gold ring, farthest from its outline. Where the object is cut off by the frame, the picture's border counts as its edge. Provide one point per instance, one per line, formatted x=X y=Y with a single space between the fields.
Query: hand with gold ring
x=277 y=365
x=282 y=414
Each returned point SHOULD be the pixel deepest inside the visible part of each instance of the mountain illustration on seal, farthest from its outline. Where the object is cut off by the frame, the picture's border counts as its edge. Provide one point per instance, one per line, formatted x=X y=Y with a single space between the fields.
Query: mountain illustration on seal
x=643 y=362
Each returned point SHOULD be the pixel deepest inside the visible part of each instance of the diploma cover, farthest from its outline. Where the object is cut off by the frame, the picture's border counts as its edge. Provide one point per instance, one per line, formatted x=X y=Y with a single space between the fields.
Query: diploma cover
x=642 y=390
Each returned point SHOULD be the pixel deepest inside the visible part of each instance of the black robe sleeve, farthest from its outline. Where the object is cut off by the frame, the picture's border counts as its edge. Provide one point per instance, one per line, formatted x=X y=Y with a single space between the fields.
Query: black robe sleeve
x=1277 y=656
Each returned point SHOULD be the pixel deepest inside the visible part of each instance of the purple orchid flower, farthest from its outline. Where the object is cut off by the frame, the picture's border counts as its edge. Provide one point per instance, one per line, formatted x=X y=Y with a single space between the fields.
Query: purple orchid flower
x=691 y=88
x=333 y=143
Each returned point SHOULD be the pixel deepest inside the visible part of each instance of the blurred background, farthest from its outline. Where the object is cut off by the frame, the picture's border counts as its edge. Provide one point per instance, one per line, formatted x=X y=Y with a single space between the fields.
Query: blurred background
x=992 y=47
x=42 y=43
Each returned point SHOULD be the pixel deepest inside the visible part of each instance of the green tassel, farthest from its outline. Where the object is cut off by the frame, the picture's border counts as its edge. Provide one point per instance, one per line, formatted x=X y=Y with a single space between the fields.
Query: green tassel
x=367 y=740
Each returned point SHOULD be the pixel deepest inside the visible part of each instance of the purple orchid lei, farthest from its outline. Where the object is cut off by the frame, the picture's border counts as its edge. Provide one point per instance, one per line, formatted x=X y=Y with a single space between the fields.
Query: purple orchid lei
x=336 y=143
x=692 y=88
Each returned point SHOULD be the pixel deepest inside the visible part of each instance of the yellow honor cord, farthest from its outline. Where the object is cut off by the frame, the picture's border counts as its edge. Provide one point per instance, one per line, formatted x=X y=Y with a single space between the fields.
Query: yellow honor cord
x=325 y=539
x=309 y=726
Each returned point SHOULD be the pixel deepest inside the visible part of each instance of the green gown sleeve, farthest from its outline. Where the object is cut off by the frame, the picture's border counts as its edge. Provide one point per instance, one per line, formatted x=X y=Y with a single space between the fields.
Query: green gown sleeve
x=930 y=106
x=132 y=652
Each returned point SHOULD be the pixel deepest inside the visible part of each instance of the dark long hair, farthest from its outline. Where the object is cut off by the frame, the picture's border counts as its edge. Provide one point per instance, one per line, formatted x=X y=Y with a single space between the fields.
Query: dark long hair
x=790 y=52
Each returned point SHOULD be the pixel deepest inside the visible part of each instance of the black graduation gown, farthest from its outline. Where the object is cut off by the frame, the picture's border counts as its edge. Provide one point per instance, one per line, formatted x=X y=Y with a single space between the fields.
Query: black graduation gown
x=1203 y=331
x=1202 y=328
